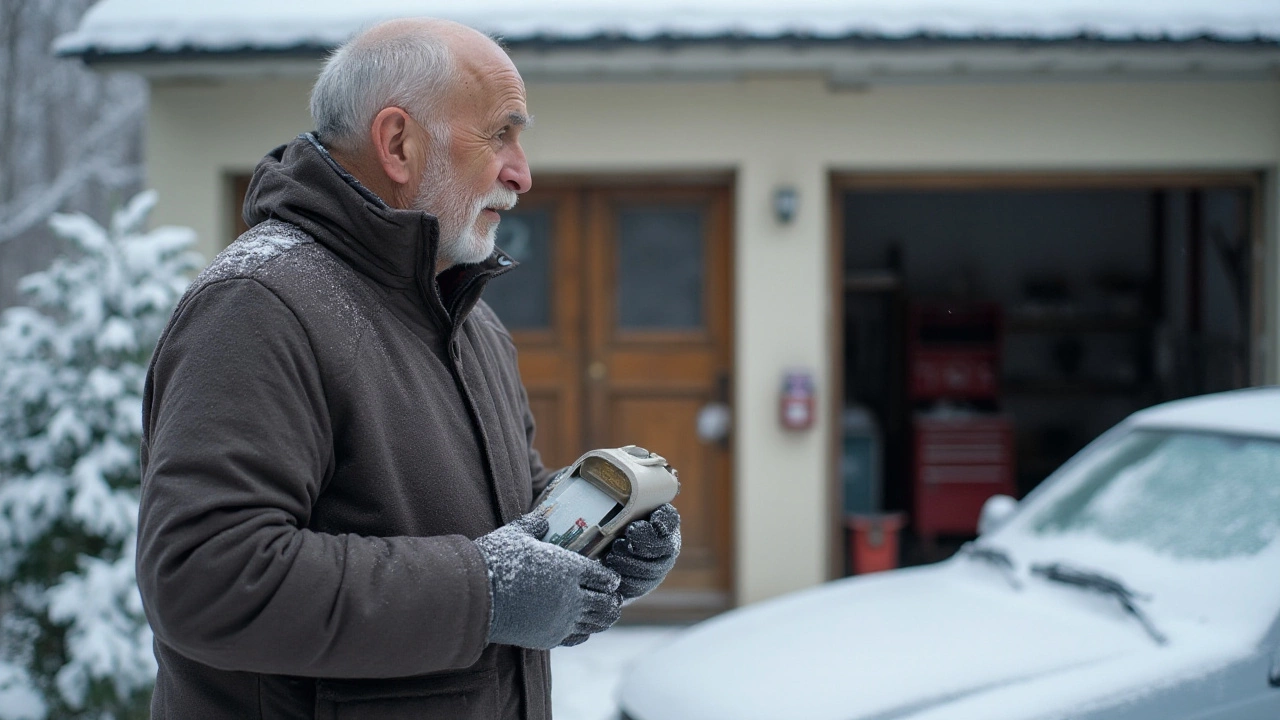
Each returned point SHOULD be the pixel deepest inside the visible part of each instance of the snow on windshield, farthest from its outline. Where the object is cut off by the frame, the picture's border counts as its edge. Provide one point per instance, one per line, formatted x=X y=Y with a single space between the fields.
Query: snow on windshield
x=1182 y=494
x=1189 y=520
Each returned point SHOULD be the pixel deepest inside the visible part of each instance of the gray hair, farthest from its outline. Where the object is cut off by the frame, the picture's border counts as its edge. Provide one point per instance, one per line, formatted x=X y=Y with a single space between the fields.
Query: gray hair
x=362 y=77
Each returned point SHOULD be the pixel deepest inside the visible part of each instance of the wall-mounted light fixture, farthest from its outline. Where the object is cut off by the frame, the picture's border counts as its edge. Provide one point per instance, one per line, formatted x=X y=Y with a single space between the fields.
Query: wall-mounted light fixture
x=785 y=203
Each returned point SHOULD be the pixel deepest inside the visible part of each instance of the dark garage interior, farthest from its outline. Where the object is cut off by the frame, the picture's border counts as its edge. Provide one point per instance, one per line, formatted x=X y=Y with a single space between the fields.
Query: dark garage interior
x=991 y=330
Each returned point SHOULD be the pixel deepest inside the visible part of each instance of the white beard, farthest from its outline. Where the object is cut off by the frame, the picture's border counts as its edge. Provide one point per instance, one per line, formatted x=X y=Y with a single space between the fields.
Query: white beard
x=461 y=239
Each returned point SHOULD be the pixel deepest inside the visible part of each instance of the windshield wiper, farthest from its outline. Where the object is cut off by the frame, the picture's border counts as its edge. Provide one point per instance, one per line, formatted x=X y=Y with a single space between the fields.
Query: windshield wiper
x=994 y=556
x=1066 y=574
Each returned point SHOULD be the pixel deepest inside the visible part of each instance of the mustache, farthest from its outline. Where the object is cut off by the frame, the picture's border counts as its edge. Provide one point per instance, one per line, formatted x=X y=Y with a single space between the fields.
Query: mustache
x=499 y=198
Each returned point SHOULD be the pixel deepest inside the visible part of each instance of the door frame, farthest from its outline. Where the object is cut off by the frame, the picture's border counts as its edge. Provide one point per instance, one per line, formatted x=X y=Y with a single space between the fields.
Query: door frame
x=1252 y=180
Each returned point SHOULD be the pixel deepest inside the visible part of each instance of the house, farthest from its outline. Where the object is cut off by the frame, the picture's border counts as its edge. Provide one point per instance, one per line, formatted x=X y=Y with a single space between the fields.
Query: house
x=851 y=198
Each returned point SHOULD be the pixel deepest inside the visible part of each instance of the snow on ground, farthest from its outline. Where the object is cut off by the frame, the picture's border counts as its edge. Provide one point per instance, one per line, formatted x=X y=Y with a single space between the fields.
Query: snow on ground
x=585 y=678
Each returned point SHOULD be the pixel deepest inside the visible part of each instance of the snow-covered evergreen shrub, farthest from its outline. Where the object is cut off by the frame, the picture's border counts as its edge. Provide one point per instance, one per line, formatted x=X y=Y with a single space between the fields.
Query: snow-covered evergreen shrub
x=73 y=641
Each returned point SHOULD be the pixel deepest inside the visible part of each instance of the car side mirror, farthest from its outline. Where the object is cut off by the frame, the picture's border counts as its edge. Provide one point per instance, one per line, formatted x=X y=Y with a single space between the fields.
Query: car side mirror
x=996 y=511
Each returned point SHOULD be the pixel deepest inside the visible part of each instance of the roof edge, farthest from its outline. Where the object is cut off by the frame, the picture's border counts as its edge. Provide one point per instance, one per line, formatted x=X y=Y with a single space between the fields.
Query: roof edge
x=70 y=45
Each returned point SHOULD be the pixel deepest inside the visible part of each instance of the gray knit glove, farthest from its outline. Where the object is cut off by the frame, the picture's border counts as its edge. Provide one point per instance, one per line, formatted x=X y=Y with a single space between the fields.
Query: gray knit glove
x=647 y=553
x=543 y=595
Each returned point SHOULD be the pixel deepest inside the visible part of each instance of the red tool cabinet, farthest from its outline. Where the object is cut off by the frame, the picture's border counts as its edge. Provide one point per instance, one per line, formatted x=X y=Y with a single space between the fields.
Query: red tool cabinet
x=962 y=448
x=959 y=463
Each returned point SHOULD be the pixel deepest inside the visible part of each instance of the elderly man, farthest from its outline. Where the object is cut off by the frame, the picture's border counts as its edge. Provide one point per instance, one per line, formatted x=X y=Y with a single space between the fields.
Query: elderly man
x=338 y=452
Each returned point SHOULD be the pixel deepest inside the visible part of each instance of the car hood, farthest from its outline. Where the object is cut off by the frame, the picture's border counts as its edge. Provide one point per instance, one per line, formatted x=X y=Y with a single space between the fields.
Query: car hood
x=909 y=644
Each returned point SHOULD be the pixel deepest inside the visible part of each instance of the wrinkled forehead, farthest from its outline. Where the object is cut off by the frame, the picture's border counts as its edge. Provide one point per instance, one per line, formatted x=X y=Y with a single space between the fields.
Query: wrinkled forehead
x=480 y=59
x=489 y=83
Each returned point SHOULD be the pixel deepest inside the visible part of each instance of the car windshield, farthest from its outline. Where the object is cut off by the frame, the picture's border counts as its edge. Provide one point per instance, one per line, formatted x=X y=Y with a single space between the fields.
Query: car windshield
x=1188 y=495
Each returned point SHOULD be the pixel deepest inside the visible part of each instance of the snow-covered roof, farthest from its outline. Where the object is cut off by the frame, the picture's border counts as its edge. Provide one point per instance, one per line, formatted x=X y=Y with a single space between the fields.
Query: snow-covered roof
x=1253 y=412
x=164 y=27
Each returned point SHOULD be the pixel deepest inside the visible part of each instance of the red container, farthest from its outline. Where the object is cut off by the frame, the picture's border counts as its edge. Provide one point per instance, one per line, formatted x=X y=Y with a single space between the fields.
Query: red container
x=873 y=541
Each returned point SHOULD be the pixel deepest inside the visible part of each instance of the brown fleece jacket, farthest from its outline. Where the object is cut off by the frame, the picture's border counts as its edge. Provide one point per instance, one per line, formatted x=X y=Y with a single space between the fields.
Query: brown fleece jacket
x=327 y=426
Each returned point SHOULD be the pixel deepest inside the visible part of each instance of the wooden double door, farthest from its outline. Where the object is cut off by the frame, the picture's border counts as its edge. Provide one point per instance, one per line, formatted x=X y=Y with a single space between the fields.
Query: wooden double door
x=621 y=314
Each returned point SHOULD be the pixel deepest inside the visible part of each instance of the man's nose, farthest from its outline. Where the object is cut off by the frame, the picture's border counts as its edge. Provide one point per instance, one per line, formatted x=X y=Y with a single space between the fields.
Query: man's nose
x=515 y=173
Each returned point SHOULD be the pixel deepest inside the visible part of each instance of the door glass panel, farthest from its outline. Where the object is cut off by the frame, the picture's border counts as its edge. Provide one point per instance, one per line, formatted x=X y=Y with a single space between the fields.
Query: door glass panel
x=522 y=297
x=660 y=268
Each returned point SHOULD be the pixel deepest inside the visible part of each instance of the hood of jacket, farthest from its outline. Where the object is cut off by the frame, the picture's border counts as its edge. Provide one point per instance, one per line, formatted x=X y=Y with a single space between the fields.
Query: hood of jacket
x=301 y=184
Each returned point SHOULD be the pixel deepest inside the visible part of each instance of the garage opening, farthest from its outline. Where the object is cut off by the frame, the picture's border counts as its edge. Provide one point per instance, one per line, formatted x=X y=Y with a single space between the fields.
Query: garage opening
x=992 y=326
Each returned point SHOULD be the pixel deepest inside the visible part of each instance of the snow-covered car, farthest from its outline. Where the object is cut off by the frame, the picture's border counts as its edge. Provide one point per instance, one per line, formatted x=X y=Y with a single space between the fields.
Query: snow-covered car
x=1140 y=581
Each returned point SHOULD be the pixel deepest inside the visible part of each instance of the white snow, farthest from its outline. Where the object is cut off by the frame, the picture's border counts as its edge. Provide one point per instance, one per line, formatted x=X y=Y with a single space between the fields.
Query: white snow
x=585 y=678
x=72 y=368
x=116 y=335
x=876 y=645
x=103 y=605
x=123 y=26
x=1189 y=526
x=33 y=504
x=1253 y=411
x=18 y=701
x=108 y=512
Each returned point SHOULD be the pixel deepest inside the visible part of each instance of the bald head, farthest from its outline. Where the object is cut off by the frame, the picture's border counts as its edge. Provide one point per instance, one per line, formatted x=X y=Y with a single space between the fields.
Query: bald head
x=428 y=114
x=412 y=63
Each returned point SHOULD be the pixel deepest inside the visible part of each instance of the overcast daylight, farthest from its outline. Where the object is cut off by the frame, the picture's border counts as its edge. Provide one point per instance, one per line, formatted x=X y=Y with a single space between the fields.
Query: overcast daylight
x=602 y=360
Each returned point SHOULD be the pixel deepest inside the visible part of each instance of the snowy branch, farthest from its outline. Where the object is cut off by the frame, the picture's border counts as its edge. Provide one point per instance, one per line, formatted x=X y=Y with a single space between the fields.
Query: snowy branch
x=73 y=639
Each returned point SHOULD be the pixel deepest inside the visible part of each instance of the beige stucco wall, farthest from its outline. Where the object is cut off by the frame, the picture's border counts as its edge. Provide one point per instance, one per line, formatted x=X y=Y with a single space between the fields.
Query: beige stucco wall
x=771 y=132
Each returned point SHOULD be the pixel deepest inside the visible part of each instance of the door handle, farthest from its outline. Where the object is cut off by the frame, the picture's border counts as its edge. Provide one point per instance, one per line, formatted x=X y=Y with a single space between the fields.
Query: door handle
x=715 y=419
x=597 y=370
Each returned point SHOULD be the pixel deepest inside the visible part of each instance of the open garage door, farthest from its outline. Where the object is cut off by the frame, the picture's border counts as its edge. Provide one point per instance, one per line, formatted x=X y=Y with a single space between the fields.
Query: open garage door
x=992 y=325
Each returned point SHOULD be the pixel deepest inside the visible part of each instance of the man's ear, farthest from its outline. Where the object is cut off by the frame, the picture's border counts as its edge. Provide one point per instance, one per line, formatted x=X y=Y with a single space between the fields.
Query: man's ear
x=397 y=148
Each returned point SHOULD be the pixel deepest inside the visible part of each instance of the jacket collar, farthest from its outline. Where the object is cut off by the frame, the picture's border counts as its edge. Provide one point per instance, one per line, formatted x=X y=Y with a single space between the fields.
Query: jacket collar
x=300 y=183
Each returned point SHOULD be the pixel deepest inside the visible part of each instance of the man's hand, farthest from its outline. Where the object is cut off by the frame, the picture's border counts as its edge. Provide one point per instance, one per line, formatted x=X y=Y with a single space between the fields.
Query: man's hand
x=647 y=553
x=543 y=595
